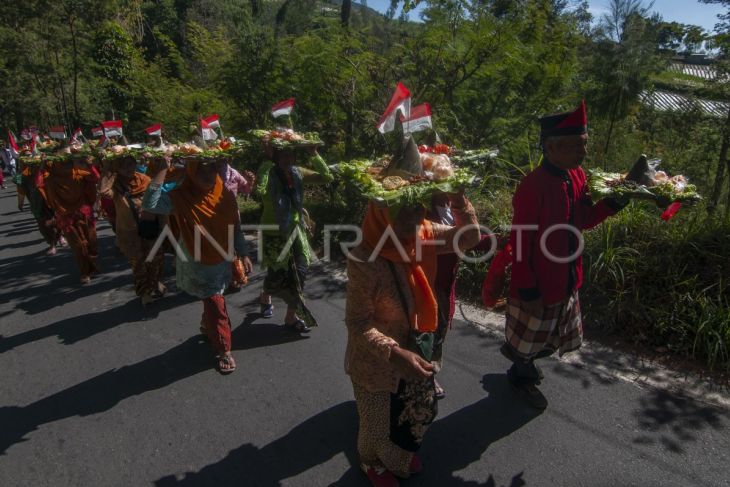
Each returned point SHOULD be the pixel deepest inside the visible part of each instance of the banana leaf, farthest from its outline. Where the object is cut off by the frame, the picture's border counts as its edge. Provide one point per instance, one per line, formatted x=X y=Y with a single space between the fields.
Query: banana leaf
x=355 y=174
x=606 y=185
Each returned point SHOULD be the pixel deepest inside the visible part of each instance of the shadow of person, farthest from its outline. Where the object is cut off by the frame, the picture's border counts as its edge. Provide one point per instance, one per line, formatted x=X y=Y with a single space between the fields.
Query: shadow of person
x=311 y=443
x=461 y=438
x=106 y=390
x=470 y=431
x=258 y=335
x=39 y=283
x=76 y=328
x=23 y=245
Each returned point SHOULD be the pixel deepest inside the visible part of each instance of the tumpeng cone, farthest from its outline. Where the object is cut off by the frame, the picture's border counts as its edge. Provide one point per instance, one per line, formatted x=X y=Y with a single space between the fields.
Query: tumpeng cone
x=407 y=163
x=643 y=171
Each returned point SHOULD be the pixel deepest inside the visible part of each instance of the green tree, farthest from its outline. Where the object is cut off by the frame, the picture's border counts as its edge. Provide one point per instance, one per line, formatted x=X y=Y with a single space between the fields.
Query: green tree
x=624 y=57
x=722 y=41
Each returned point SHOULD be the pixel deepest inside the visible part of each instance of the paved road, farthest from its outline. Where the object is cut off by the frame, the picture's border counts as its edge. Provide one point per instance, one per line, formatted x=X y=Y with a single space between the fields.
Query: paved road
x=94 y=390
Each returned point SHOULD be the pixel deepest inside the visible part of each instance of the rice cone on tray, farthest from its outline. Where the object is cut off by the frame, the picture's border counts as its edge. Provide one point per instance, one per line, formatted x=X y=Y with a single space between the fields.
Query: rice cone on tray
x=643 y=181
x=407 y=163
x=408 y=179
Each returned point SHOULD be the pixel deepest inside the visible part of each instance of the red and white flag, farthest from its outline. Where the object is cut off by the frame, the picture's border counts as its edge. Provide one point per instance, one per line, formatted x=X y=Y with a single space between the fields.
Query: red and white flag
x=213 y=122
x=12 y=142
x=400 y=101
x=77 y=136
x=282 y=108
x=112 y=128
x=154 y=130
x=58 y=132
x=206 y=130
x=97 y=132
x=420 y=119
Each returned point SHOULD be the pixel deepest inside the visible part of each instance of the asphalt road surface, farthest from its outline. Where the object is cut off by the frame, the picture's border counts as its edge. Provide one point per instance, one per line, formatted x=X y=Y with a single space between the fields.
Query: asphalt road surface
x=95 y=390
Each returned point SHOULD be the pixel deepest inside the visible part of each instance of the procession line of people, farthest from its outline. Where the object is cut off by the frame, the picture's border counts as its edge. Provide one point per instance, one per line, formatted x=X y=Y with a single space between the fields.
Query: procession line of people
x=400 y=294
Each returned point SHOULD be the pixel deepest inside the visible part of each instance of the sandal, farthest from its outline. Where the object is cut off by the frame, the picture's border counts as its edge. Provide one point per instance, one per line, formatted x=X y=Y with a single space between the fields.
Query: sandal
x=298 y=326
x=267 y=310
x=226 y=364
x=380 y=477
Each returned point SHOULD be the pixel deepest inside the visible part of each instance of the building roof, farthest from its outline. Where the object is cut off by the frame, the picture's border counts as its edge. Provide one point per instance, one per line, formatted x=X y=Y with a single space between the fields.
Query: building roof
x=696 y=70
x=666 y=101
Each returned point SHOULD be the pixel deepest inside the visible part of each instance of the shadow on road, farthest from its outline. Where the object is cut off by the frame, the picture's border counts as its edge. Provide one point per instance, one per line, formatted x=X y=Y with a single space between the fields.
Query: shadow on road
x=663 y=418
x=106 y=390
x=77 y=328
x=311 y=443
x=672 y=420
x=258 y=335
x=451 y=444
x=38 y=283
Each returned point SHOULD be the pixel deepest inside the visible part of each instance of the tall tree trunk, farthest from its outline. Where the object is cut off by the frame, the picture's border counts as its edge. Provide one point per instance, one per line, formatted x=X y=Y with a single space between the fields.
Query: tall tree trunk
x=62 y=90
x=350 y=121
x=75 y=96
x=610 y=132
x=255 y=8
x=345 y=13
x=281 y=15
x=727 y=204
x=721 y=163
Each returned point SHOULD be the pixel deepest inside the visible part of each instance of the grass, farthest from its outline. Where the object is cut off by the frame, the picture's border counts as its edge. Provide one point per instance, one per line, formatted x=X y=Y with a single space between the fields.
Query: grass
x=663 y=284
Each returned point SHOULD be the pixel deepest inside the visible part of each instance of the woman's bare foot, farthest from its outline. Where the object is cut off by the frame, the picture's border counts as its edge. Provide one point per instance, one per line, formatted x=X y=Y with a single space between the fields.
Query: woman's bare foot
x=85 y=280
x=51 y=250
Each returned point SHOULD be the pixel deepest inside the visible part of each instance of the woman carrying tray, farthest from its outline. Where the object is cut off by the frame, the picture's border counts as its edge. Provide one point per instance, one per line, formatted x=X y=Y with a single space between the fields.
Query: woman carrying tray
x=70 y=189
x=392 y=320
x=204 y=213
x=125 y=187
x=31 y=180
x=286 y=248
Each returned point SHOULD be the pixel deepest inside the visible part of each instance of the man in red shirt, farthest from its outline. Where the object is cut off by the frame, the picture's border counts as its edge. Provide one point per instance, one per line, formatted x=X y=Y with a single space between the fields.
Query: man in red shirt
x=552 y=206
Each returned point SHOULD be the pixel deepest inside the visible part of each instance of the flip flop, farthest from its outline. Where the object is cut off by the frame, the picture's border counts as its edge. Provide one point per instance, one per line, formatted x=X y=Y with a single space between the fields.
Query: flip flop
x=227 y=360
x=298 y=326
x=267 y=310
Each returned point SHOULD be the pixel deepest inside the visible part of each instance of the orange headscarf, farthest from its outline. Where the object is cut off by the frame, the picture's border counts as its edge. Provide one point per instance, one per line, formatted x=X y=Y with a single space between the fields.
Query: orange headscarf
x=67 y=190
x=421 y=275
x=214 y=210
x=136 y=185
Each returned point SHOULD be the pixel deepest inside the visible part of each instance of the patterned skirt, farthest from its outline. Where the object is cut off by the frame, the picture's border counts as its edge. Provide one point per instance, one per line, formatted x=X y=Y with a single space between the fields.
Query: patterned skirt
x=557 y=327
x=392 y=425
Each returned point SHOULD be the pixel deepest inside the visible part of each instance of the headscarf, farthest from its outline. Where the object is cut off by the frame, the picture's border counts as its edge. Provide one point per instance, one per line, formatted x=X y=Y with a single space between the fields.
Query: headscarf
x=212 y=209
x=421 y=275
x=67 y=190
x=135 y=186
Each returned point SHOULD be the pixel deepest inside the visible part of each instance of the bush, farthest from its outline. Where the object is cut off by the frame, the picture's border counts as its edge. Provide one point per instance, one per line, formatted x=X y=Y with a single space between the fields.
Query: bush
x=662 y=283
